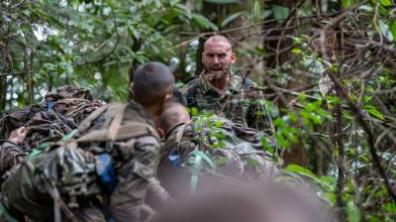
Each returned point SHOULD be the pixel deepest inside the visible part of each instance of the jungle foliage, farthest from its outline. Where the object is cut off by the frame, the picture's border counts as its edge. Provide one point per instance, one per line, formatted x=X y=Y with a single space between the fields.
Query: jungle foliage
x=327 y=68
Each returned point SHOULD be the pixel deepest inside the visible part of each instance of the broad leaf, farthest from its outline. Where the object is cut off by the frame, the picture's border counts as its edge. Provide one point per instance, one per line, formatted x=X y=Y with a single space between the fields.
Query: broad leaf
x=231 y=18
x=280 y=12
x=204 y=22
x=386 y=2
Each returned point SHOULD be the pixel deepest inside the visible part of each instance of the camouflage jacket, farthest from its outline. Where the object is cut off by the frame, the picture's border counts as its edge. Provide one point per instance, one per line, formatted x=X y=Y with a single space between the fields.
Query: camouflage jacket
x=239 y=103
x=134 y=155
x=235 y=151
x=126 y=135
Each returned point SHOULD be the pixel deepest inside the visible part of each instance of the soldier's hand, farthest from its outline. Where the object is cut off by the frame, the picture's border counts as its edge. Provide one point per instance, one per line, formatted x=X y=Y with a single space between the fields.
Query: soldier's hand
x=18 y=136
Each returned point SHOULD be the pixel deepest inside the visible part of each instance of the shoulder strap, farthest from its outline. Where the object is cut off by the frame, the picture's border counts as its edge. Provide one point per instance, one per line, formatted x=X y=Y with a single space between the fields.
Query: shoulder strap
x=126 y=131
x=86 y=123
x=192 y=93
x=116 y=123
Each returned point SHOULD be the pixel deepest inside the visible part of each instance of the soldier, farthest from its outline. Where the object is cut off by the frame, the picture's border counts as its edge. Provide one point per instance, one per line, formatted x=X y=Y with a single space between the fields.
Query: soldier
x=223 y=93
x=118 y=143
x=227 y=150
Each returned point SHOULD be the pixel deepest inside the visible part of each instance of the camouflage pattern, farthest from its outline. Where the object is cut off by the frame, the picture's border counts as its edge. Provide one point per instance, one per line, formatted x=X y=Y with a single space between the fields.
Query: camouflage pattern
x=134 y=160
x=239 y=103
x=70 y=101
x=10 y=155
x=66 y=170
x=72 y=170
x=43 y=127
x=235 y=150
x=47 y=122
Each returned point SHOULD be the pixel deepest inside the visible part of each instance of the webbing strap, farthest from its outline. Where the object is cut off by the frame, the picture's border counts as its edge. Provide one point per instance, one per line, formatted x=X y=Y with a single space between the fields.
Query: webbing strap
x=129 y=130
x=86 y=123
x=116 y=123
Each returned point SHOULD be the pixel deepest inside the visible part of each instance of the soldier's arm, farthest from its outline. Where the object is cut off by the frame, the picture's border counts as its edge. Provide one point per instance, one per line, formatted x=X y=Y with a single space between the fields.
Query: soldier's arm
x=139 y=167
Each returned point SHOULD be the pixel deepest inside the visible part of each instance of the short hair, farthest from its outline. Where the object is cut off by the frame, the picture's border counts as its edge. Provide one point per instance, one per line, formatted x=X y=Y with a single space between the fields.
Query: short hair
x=174 y=114
x=151 y=82
x=216 y=39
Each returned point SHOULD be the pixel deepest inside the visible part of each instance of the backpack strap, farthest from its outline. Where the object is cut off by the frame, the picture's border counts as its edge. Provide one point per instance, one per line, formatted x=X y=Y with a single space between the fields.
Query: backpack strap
x=192 y=93
x=126 y=131
x=87 y=122
x=116 y=123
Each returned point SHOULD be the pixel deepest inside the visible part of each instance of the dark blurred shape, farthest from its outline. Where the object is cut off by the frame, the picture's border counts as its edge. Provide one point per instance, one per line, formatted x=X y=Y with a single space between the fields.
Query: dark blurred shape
x=238 y=202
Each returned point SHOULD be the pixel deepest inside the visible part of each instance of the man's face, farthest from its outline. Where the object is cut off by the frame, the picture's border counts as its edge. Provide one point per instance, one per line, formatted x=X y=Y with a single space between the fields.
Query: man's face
x=217 y=56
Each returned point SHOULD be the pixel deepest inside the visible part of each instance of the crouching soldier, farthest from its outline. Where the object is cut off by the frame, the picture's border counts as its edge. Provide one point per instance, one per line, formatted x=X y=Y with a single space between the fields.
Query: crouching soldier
x=209 y=147
x=105 y=173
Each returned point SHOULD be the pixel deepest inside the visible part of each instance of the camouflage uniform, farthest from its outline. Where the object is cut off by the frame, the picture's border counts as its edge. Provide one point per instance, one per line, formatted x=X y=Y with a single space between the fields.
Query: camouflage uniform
x=124 y=133
x=235 y=150
x=239 y=103
x=135 y=160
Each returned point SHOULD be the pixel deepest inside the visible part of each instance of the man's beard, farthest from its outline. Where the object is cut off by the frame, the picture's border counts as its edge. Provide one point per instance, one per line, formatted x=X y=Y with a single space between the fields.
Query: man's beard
x=216 y=75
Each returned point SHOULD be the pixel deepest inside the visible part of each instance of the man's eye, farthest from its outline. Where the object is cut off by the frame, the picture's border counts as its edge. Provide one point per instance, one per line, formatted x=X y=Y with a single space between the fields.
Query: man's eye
x=210 y=55
x=222 y=55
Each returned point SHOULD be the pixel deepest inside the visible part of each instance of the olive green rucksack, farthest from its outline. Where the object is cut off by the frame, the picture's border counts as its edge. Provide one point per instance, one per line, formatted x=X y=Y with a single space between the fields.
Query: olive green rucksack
x=61 y=177
x=64 y=174
x=216 y=147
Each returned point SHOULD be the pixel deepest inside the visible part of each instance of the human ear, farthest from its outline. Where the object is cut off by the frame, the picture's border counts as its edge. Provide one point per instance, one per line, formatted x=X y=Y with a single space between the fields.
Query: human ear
x=233 y=58
x=168 y=98
x=132 y=90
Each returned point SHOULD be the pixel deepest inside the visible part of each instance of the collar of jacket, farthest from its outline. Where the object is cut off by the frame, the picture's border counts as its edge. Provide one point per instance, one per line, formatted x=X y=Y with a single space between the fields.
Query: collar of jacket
x=235 y=85
x=139 y=109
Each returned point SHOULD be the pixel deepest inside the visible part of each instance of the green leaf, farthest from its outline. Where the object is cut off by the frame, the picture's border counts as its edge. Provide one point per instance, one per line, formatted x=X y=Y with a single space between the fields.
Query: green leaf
x=231 y=18
x=386 y=2
x=256 y=8
x=296 y=51
x=373 y=111
x=280 y=12
x=223 y=1
x=346 y=3
x=390 y=208
x=203 y=22
x=353 y=212
x=392 y=26
x=367 y=8
x=293 y=168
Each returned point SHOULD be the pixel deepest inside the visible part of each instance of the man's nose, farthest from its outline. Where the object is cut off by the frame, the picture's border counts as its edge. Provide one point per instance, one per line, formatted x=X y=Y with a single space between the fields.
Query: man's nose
x=215 y=60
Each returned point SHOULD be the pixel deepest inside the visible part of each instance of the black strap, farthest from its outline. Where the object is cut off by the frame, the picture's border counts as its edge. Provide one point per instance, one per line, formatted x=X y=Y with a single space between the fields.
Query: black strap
x=192 y=93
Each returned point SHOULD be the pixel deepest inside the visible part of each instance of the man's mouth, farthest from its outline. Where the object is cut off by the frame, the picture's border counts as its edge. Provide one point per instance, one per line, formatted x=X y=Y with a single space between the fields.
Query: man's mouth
x=216 y=69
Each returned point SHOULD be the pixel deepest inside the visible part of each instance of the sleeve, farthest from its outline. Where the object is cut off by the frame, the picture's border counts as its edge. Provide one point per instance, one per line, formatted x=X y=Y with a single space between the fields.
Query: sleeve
x=139 y=165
